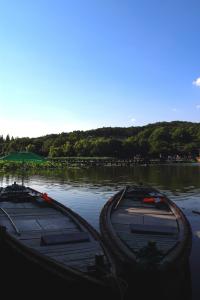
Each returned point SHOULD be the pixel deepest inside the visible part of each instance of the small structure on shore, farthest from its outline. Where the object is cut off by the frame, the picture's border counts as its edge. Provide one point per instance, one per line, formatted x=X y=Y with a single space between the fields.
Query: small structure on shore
x=23 y=157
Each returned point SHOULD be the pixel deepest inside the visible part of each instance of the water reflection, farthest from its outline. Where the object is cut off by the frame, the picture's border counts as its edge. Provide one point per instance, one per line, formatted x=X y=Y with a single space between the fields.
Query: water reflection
x=86 y=190
x=175 y=177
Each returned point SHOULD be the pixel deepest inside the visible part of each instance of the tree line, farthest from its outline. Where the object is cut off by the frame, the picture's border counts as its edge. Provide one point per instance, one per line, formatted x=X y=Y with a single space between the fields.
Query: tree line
x=160 y=139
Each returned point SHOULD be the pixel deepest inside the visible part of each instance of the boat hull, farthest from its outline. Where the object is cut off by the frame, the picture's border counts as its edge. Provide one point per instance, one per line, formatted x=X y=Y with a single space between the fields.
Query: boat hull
x=129 y=265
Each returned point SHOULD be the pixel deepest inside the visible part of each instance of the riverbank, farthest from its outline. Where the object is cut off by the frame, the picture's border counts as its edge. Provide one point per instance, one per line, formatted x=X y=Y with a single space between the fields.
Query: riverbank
x=71 y=162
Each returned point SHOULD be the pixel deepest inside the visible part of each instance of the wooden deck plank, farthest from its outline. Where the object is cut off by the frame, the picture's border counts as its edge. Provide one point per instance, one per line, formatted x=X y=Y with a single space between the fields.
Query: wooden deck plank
x=21 y=210
x=32 y=243
x=34 y=238
x=44 y=220
x=32 y=224
x=134 y=203
x=11 y=205
x=56 y=223
x=30 y=205
x=34 y=233
x=138 y=241
x=126 y=227
x=141 y=210
x=26 y=231
x=153 y=229
x=160 y=220
x=27 y=225
x=124 y=218
x=71 y=251
x=64 y=238
x=73 y=256
x=131 y=236
x=69 y=247
x=137 y=246
x=139 y=216
x=121 y=227
x=162 y=247
x=30 y=216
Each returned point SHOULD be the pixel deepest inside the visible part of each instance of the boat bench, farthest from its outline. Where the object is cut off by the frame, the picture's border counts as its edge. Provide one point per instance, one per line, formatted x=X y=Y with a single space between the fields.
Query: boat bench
x=64 y=238
x=153 y=229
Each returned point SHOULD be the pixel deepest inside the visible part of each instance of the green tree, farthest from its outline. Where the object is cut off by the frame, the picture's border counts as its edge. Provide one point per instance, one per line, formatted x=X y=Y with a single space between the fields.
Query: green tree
x=68 y=149
x=55 y=152
x=130 y=147
x=181 y=135
x=82 y=147
x=30 y=148
x=159 y=142
x=7 y=138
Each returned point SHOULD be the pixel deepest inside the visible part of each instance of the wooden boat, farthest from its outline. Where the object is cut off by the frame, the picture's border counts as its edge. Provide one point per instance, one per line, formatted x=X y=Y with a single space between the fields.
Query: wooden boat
x=145 y=230
x=54 y=237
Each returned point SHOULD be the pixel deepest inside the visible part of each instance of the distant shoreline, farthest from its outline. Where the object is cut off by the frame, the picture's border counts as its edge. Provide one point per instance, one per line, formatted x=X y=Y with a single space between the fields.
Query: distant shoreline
x=66 y=162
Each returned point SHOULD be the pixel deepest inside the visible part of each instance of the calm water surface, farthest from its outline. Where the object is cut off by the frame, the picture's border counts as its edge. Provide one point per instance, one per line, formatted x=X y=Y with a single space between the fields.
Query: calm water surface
x=86 y=190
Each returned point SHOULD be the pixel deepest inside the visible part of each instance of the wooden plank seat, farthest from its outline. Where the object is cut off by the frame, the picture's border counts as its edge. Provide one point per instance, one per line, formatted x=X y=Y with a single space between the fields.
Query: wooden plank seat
x=65 y=238
x=153 y=229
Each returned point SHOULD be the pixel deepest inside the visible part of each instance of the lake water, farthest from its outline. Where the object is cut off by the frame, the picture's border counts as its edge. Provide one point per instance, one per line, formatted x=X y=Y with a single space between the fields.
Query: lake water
x=85 y=190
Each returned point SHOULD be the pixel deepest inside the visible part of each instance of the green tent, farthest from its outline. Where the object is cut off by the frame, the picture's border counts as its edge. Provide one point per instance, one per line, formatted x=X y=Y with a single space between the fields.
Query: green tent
x=23 y=157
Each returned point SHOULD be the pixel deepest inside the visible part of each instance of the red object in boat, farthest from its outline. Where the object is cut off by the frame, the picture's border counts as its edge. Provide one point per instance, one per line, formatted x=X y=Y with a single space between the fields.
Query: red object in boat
x=149 y=200
x=153 y=199
x=46 y=198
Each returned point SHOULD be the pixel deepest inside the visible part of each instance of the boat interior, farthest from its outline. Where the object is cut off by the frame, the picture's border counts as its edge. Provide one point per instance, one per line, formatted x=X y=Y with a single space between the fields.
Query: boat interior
x=50 y=231
x=143 y=219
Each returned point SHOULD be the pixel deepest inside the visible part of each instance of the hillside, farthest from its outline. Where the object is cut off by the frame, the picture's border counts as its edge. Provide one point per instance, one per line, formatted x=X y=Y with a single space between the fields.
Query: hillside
x=153 y=140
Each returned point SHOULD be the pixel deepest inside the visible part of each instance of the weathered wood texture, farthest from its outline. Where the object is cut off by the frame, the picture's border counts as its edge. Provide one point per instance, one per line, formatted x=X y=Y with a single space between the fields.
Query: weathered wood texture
x=148 y=222
x=35 y=221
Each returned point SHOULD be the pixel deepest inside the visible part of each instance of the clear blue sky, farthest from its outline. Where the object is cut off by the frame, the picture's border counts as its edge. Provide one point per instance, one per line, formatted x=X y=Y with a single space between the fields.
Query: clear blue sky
x=83 y=64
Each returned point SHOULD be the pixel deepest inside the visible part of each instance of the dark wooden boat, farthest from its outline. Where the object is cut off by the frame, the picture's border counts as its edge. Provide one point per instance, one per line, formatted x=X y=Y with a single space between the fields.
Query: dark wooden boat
x=54 y=237
x=145 y=230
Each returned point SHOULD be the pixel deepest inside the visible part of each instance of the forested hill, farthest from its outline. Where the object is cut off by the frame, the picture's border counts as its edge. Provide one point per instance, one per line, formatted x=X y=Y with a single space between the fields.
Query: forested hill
x=153 y=140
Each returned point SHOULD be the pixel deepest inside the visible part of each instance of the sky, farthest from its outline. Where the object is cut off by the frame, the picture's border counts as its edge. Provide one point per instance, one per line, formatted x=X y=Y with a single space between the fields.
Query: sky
x=84 y=64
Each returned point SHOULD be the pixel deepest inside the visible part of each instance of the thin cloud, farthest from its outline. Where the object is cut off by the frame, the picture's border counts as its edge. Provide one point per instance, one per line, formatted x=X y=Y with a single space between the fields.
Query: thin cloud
x=196 y=82
x=174 y=109
x=133 y=120
x=198 y=106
